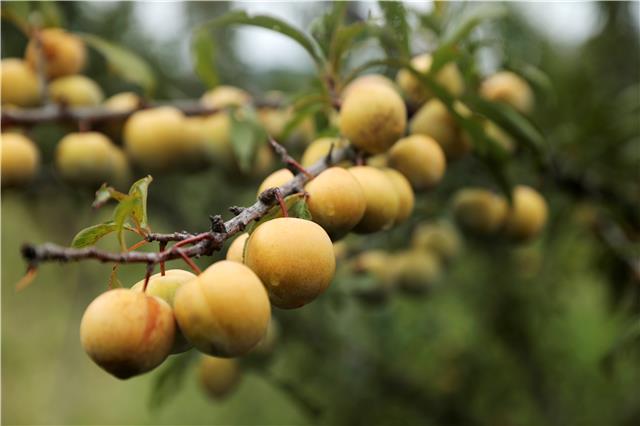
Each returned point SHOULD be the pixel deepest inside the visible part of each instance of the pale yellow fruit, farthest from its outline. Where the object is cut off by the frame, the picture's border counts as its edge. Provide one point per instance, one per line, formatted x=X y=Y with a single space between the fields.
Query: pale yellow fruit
x=420 y=159
x=218 y=376
x=275 y=180
x=165 y=287
x=381 y=266
x=369 y=79
x=417 y=270
x=89 y=158
x=19 y=83
x=340 y=249
x=479 y=210
x=510 y=88
x=406 y=198
x=20 y=159
x=225 y=97
x=216 y=131
x=449 y=77
x=439 y=238
x=382 y=201
x=336 y=201
x=122 y=102
x=319 y=149
x=225 y=311
x=235 y=252
x=434 y=119
x=373 y=117
x=380 y=161
x=75 y=90
x=528 y=214
x=268 y=342
x=294 y=259
x=127 y=332
x=63 y=52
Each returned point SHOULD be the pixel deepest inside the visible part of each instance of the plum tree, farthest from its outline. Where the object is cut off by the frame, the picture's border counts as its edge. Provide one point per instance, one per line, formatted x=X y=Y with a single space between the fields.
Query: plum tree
x=218 y=376
x=527 y=215
x=20 y=84
x=165 y=287
x=319 y=149
x=406 y=198
x=510 y=88
x=236 y=249
x=127 y=332
x=63 y=52
x=382 y=200
x=20 y=159
x=439 y=238
x=225 y=97
x=275 y=179
x=225 y=311
x=448 y=76
x=336 y=201
x=373 y=117
x=76 y=90
x=420 y=159
x=479 y=211
x=434 y=119
x=294 y=258
x=90 y=158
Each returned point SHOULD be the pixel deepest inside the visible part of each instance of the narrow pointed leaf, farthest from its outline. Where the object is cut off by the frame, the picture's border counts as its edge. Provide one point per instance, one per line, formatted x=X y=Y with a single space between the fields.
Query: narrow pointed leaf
x=89 y=236
x=203 y=50
x=139 y=191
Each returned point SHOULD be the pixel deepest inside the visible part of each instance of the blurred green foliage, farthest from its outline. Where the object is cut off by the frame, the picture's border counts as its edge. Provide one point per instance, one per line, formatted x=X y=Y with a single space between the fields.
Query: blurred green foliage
x=531 y=335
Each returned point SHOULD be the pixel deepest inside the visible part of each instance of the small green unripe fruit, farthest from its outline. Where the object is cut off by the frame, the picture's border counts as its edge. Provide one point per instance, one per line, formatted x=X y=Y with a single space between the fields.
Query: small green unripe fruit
x=76 y=90
x=275 y=180
x=20 y=159
x=165 y=287
x=373 y=117
x=509 y=88
x=439 y=238
x=319 y=149
x=218 y=376
x=528 y=214
x=416 y=270
x=382 y=201
x=63 y=53
x=90 y=158
x=336 y=201
x=127 y=332
x=479 y=211
x=406 y=198
x=225 y=311
x=420 y=159
x=294 y=259
x=20 y=84
x=416 y=93
x=235 y=252
x=225 y=97
x=434 y=119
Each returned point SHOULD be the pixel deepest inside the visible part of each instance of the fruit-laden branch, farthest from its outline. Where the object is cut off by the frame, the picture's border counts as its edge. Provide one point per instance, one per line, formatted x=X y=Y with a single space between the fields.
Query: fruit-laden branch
x=203 y=244
x=61 y=112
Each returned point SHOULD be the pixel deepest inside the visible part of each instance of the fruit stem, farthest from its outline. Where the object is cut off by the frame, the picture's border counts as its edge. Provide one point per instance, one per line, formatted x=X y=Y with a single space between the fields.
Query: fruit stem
x=189 y=262
x=283 y=205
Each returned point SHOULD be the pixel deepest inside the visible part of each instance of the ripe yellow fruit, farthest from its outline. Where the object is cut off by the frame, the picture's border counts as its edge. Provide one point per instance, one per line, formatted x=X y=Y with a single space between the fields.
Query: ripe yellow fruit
x=63 y=53
x=528 y=214
x=20 y=84
x=268 y=342
x=225 y=311
x=275 y=179
x=215 y=130
x=336 y=201
x=438 y=238
x=479 y=211
x=420 y=159
x=417 y=270
x=122 y=102
x=416 y=93
x=373 y=117
x=127 y=332
x=20 y=159
x=225 y=97
x=165 y=287
x=510 y=88
x=76 y=90
x=152 y=137
x=433 y=119
x=235 y=252
x=382 y=201
x=90 y=158
x=218 y=376
x=369 y=79
x=381 y=266
x=319 y=149
x=406 y=198
x=294 y=259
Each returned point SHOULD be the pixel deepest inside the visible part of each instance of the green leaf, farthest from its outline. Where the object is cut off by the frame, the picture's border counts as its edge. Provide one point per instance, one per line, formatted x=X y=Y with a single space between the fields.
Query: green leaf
x=167 y=383
x=299 y=116
x=18 y=13
x=396 y=19
x=342 y=40
x=126 y=64
x=246 y=136
x=106 y=193
x=324 y=27
x=296 y=207
x=470 y=22
x=89 y=236
x=50 y=13
x=139 y=191
x=123 y=210
x=203 y=51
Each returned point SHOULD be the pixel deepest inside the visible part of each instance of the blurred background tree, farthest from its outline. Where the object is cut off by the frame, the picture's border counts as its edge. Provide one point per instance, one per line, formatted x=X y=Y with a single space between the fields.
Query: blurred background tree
x=547 y=333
